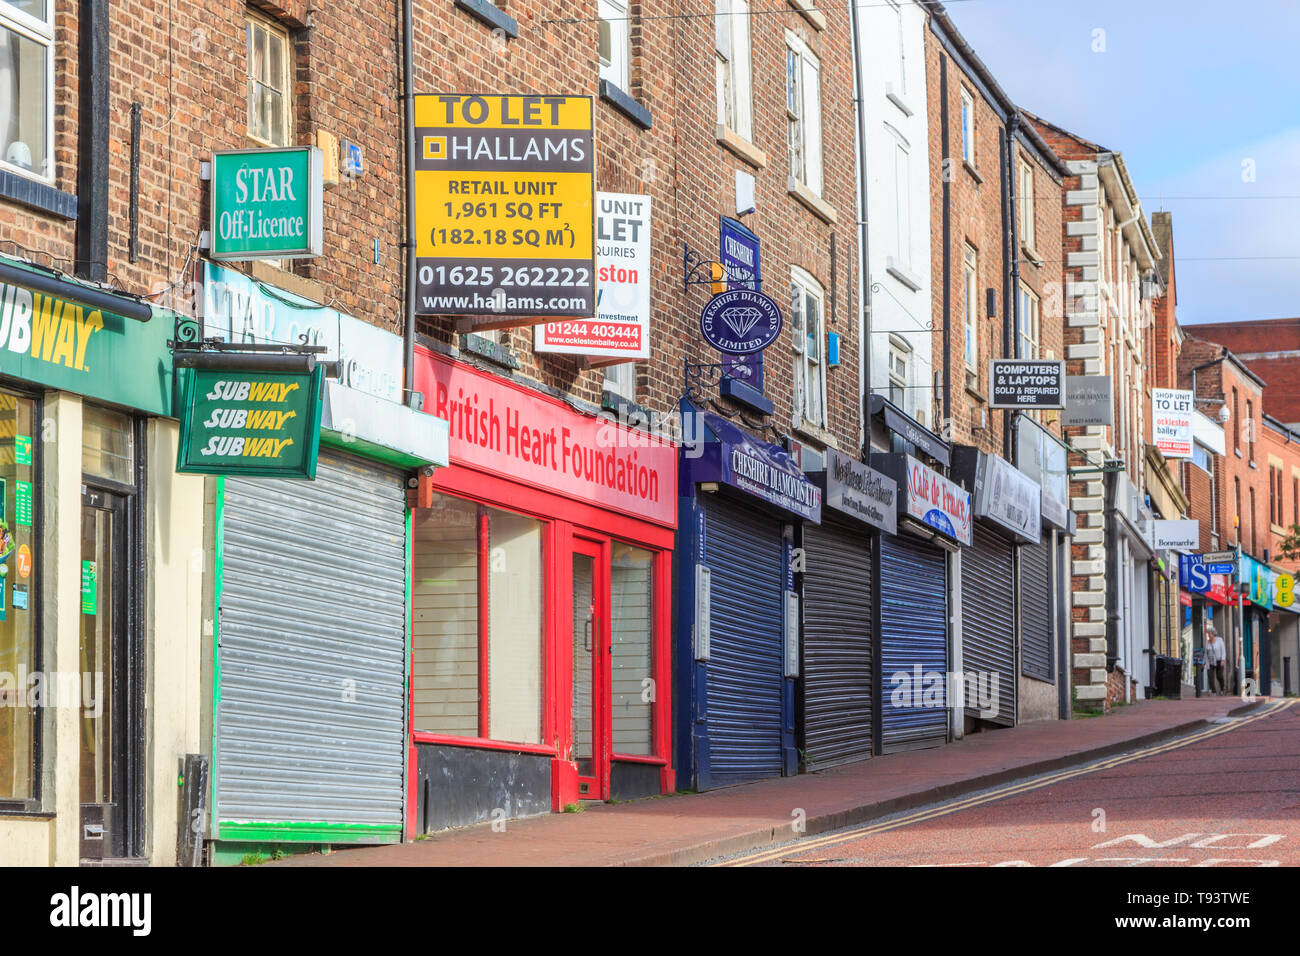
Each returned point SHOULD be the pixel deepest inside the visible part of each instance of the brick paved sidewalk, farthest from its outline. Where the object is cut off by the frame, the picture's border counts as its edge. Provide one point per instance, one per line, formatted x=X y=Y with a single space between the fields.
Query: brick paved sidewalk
x=689 y=828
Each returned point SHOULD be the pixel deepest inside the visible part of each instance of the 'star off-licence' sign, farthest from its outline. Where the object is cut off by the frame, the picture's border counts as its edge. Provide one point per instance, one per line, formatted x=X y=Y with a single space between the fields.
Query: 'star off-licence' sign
x=1027 y=383
x=621 y=329
x=1171 y=410
x=266 y=203
x=504 y=197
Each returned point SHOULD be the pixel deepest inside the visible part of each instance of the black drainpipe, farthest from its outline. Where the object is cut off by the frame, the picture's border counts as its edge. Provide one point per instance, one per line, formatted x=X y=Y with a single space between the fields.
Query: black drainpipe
x=947 y=240
x=92 y=144
x=1011 y=324
x=408 y=301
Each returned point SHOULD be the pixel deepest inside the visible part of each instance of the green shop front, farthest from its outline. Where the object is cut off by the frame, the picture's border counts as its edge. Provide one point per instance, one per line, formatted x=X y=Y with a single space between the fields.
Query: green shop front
x=309 y=596
x=99 y=593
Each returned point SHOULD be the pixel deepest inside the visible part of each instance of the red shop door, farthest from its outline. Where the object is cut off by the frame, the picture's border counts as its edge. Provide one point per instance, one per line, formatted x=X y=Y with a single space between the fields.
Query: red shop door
x=589 y=696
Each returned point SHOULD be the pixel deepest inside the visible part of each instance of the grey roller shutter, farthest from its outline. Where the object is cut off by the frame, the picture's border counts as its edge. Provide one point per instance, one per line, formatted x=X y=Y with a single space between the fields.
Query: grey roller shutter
x=743 y=551
x=913 y=633
x=988 y=623
x=837 y=645
x=311 y=651
x=1036 y=608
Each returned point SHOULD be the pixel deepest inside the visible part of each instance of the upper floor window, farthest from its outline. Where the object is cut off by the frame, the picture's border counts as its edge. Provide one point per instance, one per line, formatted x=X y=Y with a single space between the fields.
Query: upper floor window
x=1236 y=422
x=1026 y=206
x=735 y=93
x=902 y=203
x=967 y=127
x=27 y=87
x=621 y=380
x=807 y=327
x=971 y=283
x=898 y=376
x=1203 y=457
x=269 y=96
x=614 y=42
x=1029 y=324
x=1250 y=429
x=803 y=108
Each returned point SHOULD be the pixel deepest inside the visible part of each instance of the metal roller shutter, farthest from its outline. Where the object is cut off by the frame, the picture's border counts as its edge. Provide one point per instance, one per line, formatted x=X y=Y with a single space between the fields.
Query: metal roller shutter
x=310 y=722
x=913 y=631
x=743 y=550
x=988 y=622
x=837 y=671
x=1036 y=608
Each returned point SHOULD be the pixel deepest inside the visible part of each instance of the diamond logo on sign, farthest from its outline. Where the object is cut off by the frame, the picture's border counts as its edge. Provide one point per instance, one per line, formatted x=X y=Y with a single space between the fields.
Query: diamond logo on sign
x=740 y=321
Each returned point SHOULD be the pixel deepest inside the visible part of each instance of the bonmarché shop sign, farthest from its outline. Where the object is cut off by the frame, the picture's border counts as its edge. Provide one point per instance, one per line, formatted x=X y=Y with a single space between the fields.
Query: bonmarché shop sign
x=252 y=424
x=64 y=345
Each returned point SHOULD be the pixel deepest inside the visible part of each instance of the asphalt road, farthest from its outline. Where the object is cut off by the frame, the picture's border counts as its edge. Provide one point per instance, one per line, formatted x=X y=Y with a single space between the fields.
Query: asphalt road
x=1228 y=795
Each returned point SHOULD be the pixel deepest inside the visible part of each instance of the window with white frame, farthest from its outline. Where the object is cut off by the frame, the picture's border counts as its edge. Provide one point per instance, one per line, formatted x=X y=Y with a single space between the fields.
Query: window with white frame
x=735 y=95
x=27 y=87
x=1027 y=206
x=898 y=376
x=967 y=127
x=902 y=48
x=803 y=110
x=902 y=204
x=971 y=285
x=270 y=117
x=807 y=327
x=1029 y=323
x=614 y=42
x=621 y=380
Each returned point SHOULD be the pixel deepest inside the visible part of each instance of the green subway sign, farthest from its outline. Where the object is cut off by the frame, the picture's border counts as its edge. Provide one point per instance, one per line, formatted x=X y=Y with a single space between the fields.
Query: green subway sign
x=266 y=203
x=251 y=424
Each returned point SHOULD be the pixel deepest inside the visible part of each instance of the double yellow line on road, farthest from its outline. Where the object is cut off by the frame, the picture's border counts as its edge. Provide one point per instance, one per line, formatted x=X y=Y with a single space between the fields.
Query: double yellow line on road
x=1010 y=790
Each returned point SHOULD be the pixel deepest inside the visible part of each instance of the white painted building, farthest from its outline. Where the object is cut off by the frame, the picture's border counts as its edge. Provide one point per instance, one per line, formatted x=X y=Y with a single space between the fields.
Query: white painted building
x=896 y=287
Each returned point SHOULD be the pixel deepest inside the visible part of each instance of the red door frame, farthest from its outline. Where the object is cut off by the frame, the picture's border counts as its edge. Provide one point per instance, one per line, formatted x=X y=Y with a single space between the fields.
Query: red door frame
x=602 y=724
x=566 y=520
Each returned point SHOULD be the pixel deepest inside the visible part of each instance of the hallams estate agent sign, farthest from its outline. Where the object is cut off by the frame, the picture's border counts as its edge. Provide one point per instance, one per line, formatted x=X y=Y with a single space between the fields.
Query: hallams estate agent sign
x=266 y=203
x=252 y=424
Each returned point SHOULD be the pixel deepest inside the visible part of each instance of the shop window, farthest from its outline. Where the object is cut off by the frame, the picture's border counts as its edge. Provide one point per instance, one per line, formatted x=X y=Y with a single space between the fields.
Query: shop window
x=807 y=334
x=269 y=113
x=631 y=603
x=803 y=109
x=734 y=89
x=477 y=598
x=107 y=445
x=26 y=87
x=20 y=459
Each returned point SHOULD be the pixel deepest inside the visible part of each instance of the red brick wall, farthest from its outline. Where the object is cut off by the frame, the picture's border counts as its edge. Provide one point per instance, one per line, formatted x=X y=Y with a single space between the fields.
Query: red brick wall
x=186 y=64
x=1276 y=342
x=1199 y=487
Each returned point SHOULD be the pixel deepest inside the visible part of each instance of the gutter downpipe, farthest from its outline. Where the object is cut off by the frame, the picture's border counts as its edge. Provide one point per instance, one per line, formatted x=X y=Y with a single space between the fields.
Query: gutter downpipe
x=947 y=240
x=1110 y=480
x=864 y=259
x=408 y=105
x=1011 y=274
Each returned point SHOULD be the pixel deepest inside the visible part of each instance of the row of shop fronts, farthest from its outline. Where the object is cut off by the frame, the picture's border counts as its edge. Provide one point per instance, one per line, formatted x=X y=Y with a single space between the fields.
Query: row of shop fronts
x=500 y=605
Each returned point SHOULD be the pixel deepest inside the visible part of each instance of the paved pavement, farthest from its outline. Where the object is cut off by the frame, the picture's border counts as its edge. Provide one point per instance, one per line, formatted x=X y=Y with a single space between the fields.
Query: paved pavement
x=1225 y=796
x=693 y=828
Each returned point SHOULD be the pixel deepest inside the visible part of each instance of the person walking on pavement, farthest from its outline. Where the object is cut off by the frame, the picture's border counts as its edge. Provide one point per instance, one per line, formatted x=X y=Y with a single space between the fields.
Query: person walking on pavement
x=1215 y=654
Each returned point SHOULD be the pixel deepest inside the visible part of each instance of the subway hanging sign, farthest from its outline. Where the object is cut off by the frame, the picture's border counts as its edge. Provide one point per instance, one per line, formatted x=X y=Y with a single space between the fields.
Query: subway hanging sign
x=251 y=424
x=504 y=206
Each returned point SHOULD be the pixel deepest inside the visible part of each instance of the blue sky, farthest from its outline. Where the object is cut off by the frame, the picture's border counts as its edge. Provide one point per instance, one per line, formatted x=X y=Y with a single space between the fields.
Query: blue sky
x=1188 y=92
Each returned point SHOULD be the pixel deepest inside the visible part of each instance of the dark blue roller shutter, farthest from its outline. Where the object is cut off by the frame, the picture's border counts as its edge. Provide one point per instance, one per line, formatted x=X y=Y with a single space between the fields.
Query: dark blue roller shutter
x=837 y=645
x=988 y=621
x=913 y=631
x=743 y=551
x=1036 y=608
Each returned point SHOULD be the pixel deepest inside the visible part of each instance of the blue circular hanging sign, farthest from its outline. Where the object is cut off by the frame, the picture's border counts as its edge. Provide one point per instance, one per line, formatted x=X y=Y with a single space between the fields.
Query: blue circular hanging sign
x=740 y=321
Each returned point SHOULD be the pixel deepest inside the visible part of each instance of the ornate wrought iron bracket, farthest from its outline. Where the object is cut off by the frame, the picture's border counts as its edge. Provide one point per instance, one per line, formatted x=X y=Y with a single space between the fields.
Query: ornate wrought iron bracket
x=698 y=270
x=699 y=378
x=187 y=336
x=877 y=287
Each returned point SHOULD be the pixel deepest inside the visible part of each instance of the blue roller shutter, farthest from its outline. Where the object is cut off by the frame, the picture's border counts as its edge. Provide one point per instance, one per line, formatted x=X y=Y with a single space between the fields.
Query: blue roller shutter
x=743 y=551
x=988 y=621
x=913 y=631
